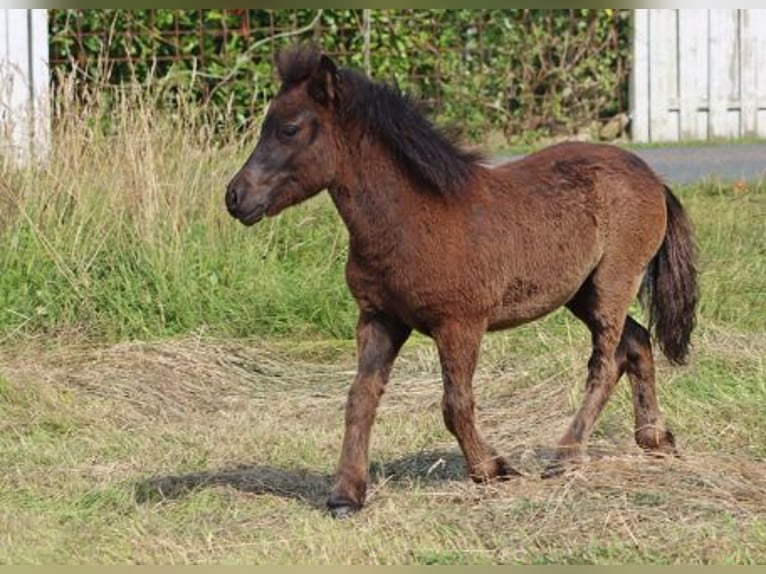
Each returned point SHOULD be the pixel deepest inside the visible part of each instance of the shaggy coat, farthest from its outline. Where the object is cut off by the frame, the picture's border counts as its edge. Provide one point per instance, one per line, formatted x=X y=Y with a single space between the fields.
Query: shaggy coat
x=443 y=243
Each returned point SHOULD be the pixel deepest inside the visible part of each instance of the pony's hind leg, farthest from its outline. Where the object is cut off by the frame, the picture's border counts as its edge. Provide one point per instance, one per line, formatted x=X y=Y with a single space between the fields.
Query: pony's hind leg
x=458 y=346
x=635 y=358
x=602 y=305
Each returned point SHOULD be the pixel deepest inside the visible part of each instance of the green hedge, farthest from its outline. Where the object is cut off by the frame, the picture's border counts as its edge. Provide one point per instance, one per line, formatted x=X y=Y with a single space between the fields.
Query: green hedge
x=523 y=73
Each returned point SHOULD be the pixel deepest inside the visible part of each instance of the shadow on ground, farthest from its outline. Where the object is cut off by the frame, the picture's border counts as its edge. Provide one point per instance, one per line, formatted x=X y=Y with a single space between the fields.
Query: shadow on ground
x=307 y=486
x=311 y=487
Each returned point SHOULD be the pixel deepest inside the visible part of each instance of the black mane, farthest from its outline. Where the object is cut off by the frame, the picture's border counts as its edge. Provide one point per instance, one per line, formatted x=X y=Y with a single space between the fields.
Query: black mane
x=430 y=156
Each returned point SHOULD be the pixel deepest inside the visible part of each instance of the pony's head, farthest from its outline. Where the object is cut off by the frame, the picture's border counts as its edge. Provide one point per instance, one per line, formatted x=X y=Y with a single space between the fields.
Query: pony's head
x=297 y=153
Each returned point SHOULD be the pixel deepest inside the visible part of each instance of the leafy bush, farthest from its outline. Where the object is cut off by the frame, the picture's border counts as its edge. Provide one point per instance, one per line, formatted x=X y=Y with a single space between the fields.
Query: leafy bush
x=529 y=73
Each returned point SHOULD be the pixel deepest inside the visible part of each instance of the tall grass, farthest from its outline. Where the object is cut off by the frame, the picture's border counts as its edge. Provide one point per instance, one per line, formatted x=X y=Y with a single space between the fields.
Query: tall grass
x=730 y=229
x=123 y=234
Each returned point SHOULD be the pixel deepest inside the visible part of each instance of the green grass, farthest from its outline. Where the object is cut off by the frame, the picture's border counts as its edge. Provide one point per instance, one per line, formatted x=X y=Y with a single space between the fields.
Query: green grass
x=732 y=243
x=124 y=235
x=172 y=386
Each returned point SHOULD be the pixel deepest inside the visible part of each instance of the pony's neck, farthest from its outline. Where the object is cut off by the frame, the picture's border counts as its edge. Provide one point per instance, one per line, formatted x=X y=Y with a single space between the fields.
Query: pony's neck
x=374 y=198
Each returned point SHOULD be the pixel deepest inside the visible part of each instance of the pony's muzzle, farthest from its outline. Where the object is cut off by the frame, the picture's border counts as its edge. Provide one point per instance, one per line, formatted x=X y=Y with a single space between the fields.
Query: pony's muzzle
x=241 y=202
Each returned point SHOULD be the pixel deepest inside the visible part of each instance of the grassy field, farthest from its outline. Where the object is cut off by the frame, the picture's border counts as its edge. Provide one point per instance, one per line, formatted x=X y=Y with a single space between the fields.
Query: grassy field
x=172 y=386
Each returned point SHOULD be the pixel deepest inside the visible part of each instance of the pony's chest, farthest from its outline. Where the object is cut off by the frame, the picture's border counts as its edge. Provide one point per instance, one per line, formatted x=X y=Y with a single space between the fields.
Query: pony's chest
x=400 y=292
x=419 y=295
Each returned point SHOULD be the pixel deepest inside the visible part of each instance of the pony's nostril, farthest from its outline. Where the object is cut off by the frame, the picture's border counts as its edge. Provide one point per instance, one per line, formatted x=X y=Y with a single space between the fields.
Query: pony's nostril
x=232 y=198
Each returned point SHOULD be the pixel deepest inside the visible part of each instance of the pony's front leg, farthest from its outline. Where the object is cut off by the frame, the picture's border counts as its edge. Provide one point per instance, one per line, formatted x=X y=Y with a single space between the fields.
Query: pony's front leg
x=458 y=344
x=379 y=339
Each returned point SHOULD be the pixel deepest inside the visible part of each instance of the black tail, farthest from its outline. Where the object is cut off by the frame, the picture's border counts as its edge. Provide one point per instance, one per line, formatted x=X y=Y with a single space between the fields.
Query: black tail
x=670 y=289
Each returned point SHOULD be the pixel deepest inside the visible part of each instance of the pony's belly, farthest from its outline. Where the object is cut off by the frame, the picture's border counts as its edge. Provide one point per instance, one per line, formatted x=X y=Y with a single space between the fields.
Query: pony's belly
x=508 y=317
x=524 y=301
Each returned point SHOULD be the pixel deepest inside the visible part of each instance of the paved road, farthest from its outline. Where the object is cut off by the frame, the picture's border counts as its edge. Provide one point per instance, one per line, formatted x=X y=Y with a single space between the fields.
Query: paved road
x=730 y=163
x=721 y=162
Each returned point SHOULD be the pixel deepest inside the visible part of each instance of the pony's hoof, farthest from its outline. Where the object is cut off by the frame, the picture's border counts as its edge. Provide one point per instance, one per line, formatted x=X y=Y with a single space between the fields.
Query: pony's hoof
x=499 y=469
x=660 y=446
x=341 y=507
x=341 y=512
x=561 y=464
x=505 y=471
x=553 y=470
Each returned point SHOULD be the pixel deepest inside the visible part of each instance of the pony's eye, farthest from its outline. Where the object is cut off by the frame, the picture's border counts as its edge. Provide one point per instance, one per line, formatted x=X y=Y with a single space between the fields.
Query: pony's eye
x=288 y=130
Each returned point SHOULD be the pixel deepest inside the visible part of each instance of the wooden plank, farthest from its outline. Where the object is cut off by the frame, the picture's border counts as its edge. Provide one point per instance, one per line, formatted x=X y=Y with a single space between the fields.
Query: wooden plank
x=639 y=78
x=16 y=74
x=693 y=73
x=663 y=75
x=757 y=23
x=40 y=80
x=24 y=79
x=6 y=126
x=3 y=33
x=724 y=74
x=8 y=89
x=749 y=87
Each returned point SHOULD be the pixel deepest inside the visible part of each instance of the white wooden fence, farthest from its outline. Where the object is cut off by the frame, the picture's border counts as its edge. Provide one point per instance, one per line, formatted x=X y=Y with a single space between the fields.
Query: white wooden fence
x=24 y=107
x=698 y=74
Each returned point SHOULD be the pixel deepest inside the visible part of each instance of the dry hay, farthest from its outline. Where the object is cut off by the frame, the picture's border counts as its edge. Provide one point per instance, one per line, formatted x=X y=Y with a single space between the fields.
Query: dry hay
x=195 y=377
x=172 y=379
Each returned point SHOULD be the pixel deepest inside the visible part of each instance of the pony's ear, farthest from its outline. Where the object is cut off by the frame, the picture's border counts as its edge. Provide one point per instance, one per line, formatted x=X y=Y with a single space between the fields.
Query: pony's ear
x=323 y=86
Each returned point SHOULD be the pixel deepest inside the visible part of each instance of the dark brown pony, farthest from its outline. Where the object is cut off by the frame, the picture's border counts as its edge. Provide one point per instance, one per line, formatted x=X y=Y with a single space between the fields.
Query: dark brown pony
x=443 y=243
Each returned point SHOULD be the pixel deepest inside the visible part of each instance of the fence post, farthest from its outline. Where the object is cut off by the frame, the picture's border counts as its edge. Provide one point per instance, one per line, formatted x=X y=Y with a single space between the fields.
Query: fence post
x=24 y=78
x=639 y=78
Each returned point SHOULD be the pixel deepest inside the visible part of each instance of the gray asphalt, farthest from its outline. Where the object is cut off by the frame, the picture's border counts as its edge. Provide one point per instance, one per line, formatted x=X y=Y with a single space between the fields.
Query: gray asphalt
x=729 y=163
